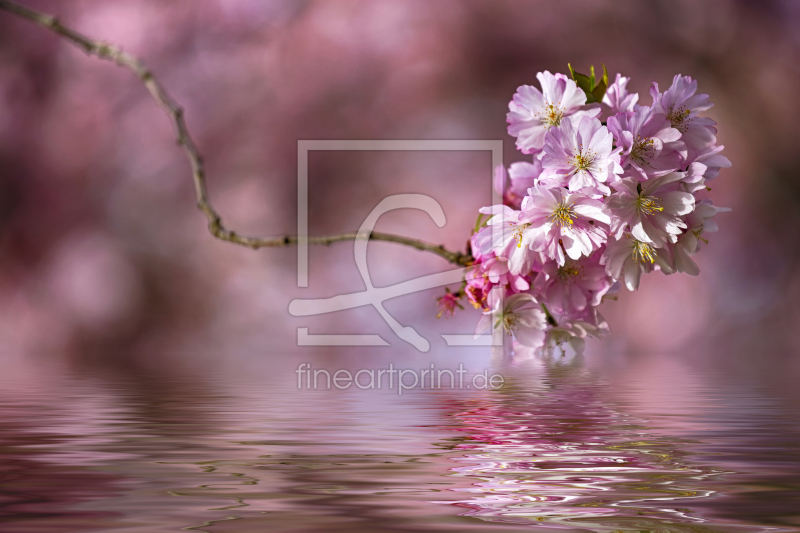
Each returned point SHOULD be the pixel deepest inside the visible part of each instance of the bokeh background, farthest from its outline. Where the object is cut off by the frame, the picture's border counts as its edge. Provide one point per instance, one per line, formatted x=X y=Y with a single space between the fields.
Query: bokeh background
x=105 y=262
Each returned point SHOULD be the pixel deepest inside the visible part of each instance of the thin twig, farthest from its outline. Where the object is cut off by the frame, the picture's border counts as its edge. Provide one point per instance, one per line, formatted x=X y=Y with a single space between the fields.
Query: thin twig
x=174 y=111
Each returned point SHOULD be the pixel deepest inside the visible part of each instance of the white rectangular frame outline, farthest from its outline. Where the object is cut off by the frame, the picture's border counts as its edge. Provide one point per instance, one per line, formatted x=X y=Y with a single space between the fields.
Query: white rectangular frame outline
x=422 y=145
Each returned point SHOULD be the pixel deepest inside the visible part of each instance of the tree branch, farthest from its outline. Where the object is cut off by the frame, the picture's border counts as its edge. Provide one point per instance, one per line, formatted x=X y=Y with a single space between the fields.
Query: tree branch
x=174 y=111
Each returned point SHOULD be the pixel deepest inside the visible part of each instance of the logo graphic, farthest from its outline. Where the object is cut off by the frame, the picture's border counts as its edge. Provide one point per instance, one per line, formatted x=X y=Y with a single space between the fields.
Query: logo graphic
x=375 y=296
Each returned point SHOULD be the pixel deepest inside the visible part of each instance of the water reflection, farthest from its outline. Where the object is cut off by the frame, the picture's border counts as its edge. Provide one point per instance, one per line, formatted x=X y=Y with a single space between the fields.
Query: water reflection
x=558 y=447
x=551 y=450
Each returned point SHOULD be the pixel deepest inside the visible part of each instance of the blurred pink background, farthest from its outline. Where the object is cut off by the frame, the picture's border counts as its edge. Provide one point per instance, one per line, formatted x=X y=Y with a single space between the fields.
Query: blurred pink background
x=104 y=259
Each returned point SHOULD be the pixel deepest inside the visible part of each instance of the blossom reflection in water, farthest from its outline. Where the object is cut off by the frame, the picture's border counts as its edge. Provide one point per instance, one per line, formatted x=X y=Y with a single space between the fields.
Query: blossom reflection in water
x=551 y=449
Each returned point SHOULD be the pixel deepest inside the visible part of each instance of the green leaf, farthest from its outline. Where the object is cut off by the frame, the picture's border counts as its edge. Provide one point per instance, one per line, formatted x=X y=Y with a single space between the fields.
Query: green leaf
x=600 y=89
x=585 y=82
x=478 y=223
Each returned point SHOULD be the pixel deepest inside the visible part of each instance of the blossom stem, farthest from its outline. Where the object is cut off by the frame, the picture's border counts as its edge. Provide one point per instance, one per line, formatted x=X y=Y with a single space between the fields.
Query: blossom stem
x=175 y=113
x=550 y=319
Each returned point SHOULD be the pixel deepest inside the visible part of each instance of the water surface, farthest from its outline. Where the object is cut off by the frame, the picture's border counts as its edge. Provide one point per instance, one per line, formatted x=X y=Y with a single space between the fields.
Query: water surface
x=562 y=445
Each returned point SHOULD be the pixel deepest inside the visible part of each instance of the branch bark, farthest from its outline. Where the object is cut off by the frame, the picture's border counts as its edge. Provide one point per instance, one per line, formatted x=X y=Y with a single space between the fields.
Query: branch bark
x=174 y=111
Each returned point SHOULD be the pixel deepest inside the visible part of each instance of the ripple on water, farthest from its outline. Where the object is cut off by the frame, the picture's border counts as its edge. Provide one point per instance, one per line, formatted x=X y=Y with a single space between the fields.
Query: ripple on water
x=558 y=447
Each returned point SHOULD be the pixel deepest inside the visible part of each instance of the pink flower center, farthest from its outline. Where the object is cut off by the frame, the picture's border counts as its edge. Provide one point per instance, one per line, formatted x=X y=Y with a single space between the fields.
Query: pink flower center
x=583 y=161
x=563 y=215
x=643 y=252
x=647 y=205
x=679 y=118
x=509 y=322
x=551 y=115
x=519 y=231
x=569 y=274
x=642 y=148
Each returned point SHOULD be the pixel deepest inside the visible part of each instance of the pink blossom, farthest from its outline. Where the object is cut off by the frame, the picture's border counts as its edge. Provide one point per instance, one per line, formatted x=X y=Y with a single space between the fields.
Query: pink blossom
x=570 y=288
x=514 y=184
x=475 y=244
x=490 y=273
x=651 y=210
x=558 y=337
x=595 y=209
x=520 y=316
x=478 y=287
x=713 y=160
x=498 y=272
x=682 y=107
x=625 y=259
x=502 y=237
x=694 y=179
x=618 y=98
x=532 y=112
x=698 y=222
x=581 y=157
x=649 y=143
x=447 y=304
x=681 y=252
x=573 y=331
x=560 y=223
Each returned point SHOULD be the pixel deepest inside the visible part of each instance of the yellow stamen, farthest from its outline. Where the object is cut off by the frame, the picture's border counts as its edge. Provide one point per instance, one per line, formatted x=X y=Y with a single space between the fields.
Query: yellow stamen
x=648 y=205
x=569 y=273
x=519 y=231
x=563 y=215
x=509 y=321
x=582 y=161
x=643 y=252
x=643 y=147
x=551 y=115
x=677 y=118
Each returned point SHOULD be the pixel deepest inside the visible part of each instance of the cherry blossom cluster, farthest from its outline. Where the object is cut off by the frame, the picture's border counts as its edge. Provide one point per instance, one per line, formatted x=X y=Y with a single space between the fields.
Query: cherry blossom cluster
x=613 y=189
